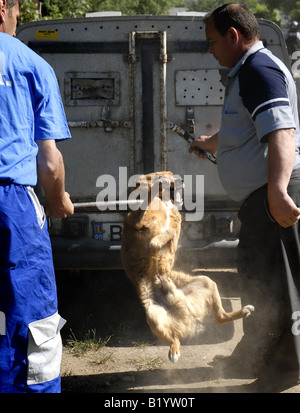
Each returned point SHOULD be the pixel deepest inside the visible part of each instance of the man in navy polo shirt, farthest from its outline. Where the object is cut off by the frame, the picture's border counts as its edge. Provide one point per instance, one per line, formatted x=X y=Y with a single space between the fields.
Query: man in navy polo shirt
x=259 y=166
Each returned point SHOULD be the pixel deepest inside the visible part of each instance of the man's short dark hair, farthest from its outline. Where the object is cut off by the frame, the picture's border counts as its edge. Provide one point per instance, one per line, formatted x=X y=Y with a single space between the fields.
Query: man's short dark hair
x=237 y=16
x=10 y=3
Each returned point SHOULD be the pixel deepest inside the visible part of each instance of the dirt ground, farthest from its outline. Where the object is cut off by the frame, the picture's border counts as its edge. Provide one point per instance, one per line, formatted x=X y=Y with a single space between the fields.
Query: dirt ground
x=133 y=361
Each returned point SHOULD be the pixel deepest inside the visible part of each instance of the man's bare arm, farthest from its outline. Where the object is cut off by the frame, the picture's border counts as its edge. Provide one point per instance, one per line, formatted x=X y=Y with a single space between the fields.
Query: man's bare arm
x=51 y=173
x=281 y=149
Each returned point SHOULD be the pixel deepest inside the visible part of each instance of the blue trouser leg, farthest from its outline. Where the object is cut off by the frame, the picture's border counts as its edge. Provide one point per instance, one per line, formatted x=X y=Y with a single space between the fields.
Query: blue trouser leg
x=30 y=346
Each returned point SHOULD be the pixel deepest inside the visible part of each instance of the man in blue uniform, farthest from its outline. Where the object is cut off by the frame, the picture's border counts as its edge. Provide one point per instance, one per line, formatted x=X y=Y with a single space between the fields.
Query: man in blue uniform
x=259 y=166
x=12 y=12
x=31 y=120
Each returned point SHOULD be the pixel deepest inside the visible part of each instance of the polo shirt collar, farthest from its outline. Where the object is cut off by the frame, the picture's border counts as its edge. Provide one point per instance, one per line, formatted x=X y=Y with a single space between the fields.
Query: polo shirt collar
x=253 y=49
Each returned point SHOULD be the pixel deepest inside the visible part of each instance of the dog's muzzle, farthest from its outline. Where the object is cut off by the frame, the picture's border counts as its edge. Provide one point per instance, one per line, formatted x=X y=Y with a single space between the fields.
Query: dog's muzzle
x=176 y=193
x=178 y=201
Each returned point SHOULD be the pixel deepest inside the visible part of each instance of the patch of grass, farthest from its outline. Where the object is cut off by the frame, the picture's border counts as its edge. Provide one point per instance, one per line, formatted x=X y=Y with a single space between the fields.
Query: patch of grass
x=148 y=363
x=89 y=342
x=103 y=358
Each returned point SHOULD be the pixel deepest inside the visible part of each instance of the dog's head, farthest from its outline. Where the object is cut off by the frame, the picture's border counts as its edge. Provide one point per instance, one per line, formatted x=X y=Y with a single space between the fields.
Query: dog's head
x=164 y=184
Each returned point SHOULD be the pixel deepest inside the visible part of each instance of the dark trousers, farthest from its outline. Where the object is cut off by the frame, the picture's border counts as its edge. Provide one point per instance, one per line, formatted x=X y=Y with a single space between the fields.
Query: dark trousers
x=269 y=269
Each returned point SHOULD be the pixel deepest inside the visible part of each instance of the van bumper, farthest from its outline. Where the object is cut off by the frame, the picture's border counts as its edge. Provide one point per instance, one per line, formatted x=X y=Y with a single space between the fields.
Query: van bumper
x=89 y=254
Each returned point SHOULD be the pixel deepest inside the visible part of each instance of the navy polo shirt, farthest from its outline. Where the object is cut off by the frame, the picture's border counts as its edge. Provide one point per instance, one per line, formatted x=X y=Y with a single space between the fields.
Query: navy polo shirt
x=260 y=97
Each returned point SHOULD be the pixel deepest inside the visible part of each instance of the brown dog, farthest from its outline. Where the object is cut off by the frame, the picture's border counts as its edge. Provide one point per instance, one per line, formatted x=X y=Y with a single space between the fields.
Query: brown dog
x=175 y=302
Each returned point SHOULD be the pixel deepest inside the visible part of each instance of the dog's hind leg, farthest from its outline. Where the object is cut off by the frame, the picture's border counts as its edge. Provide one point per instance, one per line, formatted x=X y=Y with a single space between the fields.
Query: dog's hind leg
x=174 y=351
x=220 y=315
x=157 y=319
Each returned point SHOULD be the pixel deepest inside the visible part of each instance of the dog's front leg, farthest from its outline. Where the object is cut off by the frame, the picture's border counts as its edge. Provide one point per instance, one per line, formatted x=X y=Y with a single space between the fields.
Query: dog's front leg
x=161 y=240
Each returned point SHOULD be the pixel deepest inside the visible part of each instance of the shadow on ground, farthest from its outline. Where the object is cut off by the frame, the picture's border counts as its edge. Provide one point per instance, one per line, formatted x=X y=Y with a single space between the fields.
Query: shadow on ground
x=156 y=381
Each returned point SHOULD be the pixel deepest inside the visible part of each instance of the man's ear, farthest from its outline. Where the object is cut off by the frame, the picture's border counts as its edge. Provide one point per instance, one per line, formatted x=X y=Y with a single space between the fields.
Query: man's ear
x=2 y=10
x=232 y=35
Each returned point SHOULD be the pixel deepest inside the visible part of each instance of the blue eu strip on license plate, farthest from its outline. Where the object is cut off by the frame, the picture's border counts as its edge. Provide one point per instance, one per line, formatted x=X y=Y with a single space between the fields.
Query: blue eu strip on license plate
x=98 y=231
x=111 y=231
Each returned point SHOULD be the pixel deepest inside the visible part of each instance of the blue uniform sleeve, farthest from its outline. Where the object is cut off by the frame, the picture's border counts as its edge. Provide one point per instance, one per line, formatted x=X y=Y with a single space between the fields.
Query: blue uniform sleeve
x=50 y=119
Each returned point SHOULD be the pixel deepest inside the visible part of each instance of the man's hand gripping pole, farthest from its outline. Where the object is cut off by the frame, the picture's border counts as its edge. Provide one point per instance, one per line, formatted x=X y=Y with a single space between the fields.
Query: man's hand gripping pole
x=189 y=138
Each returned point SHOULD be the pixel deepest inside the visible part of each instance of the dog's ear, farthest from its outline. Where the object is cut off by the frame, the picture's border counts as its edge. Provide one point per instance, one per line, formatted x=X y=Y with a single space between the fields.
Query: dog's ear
x=141 y=180
x=164 y=174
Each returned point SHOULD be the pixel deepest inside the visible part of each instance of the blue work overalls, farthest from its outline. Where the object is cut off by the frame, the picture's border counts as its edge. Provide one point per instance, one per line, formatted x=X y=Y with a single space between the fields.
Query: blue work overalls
x=30 y=342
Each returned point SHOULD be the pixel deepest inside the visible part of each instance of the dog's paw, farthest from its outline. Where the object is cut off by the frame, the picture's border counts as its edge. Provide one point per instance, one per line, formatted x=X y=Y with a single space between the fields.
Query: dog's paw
x=248 y=310
x=154 y=244
x=174 y=357
x=174 y=351
x=168 y=286
x=162 y=281
x=159 y=281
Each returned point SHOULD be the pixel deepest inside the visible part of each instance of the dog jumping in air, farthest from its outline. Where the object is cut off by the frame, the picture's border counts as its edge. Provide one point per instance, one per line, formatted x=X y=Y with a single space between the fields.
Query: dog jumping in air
x=175 y=303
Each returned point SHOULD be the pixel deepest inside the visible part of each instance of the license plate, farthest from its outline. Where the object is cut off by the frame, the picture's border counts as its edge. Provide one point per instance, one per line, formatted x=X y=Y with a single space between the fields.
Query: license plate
x=111 y=231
